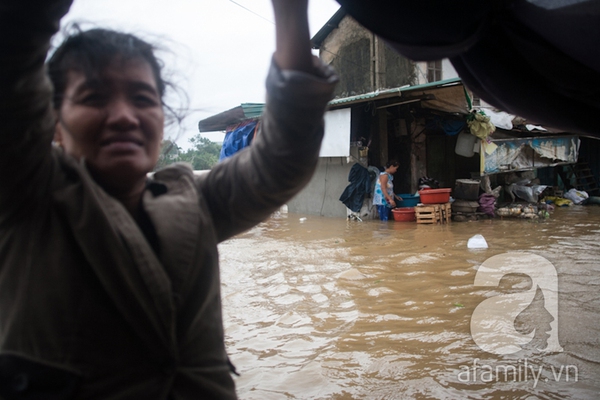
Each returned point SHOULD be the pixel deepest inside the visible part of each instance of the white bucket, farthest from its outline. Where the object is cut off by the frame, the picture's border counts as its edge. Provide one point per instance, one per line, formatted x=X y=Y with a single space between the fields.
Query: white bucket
x=464 y=144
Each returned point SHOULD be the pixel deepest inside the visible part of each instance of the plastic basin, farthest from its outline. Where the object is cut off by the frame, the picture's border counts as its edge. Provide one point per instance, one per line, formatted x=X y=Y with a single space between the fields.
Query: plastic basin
x=408 y=200
x=435 y=196
x=404 y=214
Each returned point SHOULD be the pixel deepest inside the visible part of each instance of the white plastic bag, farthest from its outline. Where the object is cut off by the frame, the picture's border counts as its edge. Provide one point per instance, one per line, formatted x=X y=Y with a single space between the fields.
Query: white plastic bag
x=576 y=196
x=477 y=242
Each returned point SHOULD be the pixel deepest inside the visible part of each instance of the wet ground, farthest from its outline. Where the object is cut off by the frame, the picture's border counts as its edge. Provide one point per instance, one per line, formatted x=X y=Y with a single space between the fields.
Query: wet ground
x=324 y=308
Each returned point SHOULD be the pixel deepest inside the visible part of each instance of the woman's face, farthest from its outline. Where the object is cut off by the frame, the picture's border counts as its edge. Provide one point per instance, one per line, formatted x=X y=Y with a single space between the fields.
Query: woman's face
x=115 y=123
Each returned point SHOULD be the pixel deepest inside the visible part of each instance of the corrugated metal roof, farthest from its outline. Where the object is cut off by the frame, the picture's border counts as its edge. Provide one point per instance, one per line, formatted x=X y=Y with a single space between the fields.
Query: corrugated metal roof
x=444 y=82
x=252 y=110
x=367 y=96
x=221 y=121
x=382 y=94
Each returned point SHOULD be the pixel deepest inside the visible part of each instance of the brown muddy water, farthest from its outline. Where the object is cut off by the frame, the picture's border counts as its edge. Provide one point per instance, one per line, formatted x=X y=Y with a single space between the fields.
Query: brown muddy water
x=324 y=308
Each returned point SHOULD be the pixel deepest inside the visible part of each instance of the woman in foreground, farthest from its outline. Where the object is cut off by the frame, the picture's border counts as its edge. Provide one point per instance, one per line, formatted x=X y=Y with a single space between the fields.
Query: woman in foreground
x=109 y=282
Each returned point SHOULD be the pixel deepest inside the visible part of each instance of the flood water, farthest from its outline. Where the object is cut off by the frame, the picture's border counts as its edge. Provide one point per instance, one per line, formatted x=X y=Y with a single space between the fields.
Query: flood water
x=325 y=308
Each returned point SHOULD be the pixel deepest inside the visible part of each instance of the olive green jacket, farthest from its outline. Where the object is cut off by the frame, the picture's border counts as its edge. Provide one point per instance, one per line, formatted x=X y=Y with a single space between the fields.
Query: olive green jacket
x=87 y=308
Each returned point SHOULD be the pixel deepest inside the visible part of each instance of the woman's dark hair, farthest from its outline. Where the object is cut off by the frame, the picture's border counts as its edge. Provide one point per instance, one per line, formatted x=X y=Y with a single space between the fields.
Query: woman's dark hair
x=392 y=163
x=90 y=52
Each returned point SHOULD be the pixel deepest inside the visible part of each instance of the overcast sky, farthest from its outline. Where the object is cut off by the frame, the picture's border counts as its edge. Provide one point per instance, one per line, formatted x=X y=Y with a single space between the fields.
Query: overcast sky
x=218 y=51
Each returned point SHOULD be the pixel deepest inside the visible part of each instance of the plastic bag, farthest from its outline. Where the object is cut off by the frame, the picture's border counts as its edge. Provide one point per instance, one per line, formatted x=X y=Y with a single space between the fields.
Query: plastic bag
x=576 y=196
x=477 y=242
x=527 y=193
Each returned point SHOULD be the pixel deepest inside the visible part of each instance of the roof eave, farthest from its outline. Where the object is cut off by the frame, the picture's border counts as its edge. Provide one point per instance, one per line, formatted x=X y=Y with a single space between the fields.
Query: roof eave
x=233 y=116
x=333 y=22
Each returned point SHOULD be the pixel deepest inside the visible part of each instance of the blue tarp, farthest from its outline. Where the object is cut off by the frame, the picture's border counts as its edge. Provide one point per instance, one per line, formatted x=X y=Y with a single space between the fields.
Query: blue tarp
x=237 y=139
x=450 y=127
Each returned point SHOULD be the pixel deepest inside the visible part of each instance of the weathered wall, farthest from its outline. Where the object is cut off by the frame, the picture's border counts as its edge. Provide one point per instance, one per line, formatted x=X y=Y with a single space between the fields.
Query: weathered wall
x=363 y=62
x=399 y=71
x=321 y=195
x=348 y=50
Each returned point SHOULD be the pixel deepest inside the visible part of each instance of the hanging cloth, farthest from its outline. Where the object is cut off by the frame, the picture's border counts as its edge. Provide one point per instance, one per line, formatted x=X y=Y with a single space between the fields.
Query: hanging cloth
x=238 y=138
x=360 y=184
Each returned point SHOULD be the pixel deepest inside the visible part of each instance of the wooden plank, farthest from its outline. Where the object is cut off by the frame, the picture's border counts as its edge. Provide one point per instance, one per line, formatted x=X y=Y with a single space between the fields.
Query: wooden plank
x=446 y=213
x=433 y=213
x=428 y=214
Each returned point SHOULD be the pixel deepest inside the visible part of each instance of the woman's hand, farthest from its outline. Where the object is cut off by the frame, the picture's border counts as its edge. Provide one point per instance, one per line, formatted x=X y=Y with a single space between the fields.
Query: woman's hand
x=390 y=201
x=292 y=36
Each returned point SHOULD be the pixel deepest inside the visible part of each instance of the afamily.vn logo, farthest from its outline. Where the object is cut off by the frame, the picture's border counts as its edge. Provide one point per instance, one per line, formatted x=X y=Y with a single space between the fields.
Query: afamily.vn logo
x=493 y=321
x=520 y=371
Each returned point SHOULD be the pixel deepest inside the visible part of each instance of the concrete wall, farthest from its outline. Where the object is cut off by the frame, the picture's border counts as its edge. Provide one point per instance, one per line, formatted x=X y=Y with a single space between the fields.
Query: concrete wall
x=348 y=50
x=398 y=71
x=363 y=62
x=321 y=195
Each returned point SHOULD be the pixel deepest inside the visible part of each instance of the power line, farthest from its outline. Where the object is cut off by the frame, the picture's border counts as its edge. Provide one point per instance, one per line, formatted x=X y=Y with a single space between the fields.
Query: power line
x=250 y=11
x=325 y=50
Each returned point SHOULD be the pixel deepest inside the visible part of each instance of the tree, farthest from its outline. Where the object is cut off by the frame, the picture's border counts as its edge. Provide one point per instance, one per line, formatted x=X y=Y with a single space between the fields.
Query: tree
x=203 y=155
x=168 y=154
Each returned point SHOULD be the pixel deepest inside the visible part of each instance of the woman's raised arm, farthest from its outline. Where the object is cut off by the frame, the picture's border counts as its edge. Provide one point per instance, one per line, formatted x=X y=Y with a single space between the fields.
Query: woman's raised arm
x=246 y=188
x=26 y=116
x=292 y=36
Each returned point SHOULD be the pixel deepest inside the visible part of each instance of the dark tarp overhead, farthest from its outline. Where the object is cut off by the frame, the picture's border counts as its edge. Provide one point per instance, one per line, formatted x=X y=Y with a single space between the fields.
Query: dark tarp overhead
x=538 y=59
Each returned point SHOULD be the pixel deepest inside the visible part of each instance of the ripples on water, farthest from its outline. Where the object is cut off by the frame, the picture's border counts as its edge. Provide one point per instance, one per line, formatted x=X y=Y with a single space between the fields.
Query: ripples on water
x=332 y=309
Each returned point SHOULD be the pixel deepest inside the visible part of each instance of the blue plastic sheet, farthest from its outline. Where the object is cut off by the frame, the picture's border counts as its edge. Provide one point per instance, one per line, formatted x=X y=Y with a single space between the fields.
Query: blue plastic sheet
x=237 y=139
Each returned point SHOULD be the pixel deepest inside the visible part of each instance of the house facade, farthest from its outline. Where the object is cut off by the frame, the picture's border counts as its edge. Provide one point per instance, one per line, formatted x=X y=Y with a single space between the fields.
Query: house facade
x=388 y=107
x=365 y=63
x=414 y=112
x=396 y=109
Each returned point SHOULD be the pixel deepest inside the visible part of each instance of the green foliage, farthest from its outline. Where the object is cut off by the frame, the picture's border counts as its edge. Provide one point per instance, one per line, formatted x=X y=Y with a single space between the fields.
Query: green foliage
x=203 y=154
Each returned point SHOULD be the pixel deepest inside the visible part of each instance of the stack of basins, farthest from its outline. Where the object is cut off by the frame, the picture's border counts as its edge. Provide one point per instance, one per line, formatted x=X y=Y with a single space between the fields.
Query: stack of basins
x=435 y=208
x=466 y=194
x=405 y=208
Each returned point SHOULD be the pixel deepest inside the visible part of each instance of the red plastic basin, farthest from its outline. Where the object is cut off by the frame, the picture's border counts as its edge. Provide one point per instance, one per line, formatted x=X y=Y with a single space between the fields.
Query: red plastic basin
x=435 y=196
x=405 y=214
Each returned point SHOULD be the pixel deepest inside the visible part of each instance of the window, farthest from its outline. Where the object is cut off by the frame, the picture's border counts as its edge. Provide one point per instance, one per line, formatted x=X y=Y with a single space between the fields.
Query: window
x=434 y=71
x=476 y=100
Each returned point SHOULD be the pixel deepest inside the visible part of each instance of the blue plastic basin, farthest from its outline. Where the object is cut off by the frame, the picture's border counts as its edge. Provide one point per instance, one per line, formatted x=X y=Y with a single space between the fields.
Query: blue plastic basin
x=408 y=200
